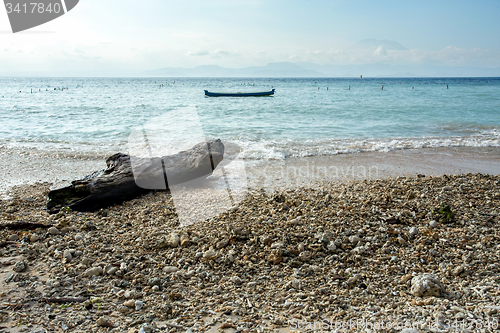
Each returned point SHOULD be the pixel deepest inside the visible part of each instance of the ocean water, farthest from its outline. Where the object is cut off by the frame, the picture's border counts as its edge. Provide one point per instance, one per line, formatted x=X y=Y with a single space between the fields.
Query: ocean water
x=89 y=118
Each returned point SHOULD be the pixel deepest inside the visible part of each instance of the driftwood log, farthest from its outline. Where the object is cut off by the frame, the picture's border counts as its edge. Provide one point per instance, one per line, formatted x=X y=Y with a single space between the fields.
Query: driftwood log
x=24 y=225
x=127 y=177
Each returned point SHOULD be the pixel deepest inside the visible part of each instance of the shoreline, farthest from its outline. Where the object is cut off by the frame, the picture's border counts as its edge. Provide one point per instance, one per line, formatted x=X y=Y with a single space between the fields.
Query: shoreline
x=280 y=174
x=316 y=170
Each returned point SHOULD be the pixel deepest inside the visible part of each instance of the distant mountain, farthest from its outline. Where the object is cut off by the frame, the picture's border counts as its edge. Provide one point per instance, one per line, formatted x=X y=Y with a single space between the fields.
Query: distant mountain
x=283 y=69
x=386 y=70
x=276 y=69
x=306 y=69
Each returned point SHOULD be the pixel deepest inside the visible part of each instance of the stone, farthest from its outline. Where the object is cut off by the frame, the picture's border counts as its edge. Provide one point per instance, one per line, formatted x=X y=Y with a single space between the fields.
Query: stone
x=87 y=261
x=409 y=330
x=413 y=232
x=240 y=231
x=358 y=250
x=122 y=309
x=129 y=303
x=67 y=255
x=172 y=240
x=406 y=278
x=139 y=304
x=146 y=328
x=34 y=238
x=210 y=254
x=353 y=279
x=459 y=270
x=433 y=224
x=354 y=239
x=222 y=244
x=13 y=237
x=154 y=282
x=331 y=247
x=92 y=271
x=53 y=231
x=20 y=266
x=185 y=241
x=296 y=284
x=102 y=321
x=236 y=280
x=426 y=285
x=112 y=270
x=170 y=269
x=326 y=237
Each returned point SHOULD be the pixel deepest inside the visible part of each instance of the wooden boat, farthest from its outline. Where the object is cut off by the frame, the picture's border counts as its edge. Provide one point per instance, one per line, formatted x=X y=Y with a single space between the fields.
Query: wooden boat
x=239 y=94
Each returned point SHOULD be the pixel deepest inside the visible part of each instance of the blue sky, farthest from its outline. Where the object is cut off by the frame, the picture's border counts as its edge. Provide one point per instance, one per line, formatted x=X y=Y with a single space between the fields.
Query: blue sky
x=141 y=35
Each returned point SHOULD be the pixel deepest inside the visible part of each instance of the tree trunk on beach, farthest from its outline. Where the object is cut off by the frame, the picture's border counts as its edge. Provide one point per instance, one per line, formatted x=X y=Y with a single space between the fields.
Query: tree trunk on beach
x=127 y=177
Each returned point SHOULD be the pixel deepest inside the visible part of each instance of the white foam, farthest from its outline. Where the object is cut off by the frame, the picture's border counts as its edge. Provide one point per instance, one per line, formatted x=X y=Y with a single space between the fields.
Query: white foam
x=282 y=149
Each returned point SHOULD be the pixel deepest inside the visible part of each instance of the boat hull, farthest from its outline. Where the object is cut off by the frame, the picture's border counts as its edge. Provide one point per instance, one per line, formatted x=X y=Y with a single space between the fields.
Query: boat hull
x=249 y=94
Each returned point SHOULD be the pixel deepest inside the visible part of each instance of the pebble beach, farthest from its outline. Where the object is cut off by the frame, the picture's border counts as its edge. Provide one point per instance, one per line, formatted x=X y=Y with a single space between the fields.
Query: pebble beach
x=415 y=254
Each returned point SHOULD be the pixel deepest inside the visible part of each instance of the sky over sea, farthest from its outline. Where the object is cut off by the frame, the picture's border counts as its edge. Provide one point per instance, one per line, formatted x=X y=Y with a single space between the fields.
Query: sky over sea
x=127 y=36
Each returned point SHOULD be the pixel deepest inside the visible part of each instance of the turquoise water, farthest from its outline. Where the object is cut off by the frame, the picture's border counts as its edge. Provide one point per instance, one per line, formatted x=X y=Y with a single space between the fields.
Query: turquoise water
x=93 y=117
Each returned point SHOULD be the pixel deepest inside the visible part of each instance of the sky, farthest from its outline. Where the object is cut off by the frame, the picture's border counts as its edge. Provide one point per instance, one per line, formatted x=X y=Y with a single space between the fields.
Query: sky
x=135 y=36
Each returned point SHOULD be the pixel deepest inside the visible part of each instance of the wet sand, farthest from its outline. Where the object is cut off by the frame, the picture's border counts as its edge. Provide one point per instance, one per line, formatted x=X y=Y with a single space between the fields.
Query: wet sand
x=18 y=169
x=314 y=171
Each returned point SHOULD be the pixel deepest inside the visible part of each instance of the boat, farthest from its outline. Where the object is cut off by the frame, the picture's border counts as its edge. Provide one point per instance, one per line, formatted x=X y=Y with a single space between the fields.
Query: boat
x=239 y=94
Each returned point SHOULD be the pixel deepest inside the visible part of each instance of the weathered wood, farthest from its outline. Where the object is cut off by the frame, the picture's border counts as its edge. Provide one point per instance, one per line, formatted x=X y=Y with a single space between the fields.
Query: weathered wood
x=63 y=300
x=23 y=225
x=117 y=183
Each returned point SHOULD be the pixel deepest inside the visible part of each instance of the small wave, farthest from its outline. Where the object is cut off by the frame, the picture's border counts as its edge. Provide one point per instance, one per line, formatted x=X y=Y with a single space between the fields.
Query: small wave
x=280 y=150
x=259 y=149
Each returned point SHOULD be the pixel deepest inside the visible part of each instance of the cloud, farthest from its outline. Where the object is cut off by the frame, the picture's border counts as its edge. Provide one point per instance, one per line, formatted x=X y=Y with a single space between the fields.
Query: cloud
x=225 y=53
x=380 y=51
x=197 y=53
x=448 y=56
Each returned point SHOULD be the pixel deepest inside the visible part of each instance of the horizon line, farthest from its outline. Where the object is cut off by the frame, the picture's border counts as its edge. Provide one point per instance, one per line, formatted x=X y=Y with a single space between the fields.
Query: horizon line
x=259 y=77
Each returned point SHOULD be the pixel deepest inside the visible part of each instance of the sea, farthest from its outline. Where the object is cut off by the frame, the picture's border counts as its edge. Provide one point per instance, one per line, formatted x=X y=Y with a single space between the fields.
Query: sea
x=92 y=118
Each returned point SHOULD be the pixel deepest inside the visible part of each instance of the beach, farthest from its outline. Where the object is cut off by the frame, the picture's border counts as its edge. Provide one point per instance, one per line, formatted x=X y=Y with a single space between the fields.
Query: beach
x=371 y=251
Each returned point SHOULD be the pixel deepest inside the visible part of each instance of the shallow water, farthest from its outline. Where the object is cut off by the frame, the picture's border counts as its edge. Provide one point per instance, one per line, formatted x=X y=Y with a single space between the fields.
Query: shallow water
x=93 y=117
